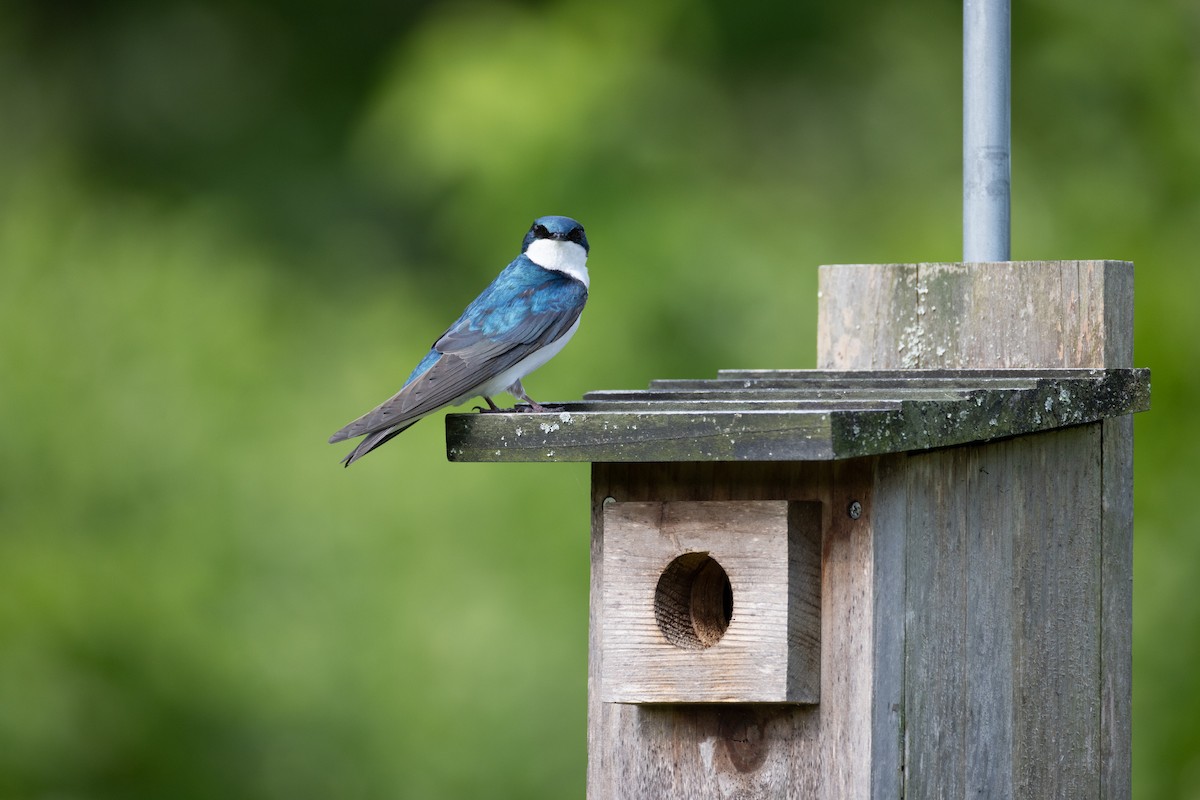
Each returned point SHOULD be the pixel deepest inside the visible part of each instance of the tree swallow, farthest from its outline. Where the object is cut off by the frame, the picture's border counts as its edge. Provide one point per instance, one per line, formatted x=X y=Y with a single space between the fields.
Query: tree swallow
x=519 y=323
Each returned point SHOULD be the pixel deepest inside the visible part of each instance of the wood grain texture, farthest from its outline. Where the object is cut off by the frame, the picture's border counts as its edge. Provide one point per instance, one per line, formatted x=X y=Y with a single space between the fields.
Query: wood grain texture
x=794 y=416
x=804 y=602
x=697 y=751
x=935 y=638
x=1015 y=315
x=1035 y=314
x=975 y=626
x=864 y=314
x=770 y=651
x=645 y=434
x=889 y=532
x=1116 y=629
x=1056 y=677
x=1002 y=676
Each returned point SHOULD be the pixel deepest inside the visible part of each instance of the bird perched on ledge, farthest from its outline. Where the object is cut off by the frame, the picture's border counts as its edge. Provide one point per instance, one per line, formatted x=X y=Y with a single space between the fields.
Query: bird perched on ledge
x=521 y=321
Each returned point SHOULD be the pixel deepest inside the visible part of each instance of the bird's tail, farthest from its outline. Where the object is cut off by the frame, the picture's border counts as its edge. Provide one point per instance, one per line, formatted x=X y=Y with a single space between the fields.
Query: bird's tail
x=373 y=440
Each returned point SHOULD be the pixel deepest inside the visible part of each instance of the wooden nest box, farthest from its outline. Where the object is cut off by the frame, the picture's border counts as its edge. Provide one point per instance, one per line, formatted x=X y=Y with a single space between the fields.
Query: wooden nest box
x=906 y=574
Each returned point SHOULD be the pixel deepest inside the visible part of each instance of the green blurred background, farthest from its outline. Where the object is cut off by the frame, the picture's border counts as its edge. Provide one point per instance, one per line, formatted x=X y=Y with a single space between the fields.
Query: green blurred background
x=227 y=228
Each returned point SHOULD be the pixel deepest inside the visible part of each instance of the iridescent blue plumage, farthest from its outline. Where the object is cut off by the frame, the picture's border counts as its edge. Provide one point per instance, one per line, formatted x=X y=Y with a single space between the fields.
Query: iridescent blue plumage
x=521 y=320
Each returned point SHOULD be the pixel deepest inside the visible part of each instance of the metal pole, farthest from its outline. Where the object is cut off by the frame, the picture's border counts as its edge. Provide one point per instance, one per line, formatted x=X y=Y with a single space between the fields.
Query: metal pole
x=986 y=137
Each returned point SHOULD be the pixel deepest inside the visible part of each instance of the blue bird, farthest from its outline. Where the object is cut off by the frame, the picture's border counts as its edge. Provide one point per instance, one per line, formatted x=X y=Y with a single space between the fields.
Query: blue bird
x=521 y=321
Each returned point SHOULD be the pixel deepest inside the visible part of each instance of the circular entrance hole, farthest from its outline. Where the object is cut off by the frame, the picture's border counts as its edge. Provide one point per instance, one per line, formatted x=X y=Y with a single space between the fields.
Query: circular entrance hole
x=693 y=601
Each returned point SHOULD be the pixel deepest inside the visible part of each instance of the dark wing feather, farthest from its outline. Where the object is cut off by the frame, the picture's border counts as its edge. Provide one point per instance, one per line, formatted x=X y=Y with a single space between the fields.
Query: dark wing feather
x=487 y=339
x=374 y=440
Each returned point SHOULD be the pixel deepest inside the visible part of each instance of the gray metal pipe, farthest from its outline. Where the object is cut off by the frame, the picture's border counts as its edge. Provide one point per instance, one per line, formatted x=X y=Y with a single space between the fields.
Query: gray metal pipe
x=986 y=130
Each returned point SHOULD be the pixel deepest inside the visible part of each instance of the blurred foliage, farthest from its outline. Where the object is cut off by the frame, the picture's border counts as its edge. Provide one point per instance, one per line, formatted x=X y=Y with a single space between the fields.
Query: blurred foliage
x=228 y=228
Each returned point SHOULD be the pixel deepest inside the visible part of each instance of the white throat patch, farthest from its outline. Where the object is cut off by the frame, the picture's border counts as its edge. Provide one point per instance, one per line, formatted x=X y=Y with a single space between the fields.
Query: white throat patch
x=565 y=257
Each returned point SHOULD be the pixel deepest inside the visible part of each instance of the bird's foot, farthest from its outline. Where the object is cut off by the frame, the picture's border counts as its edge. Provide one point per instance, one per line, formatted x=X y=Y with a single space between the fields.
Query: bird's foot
x=492 y=407
x=518 y=391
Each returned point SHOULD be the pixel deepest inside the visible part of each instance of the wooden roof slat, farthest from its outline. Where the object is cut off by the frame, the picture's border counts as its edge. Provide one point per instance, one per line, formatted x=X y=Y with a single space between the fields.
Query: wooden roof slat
x=818 y=417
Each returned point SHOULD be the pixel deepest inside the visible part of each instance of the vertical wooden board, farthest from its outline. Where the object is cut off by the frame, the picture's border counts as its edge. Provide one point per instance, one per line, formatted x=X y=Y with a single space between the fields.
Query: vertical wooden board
x=1001 y=315
x=804 y=601
x=889 y=518
x=1118 y=314
x=1045 y=313
x=1116 y=611
x=935 y=649
x=694 y=751
x=863 y=310
x=847 y=634
x=1003 y=652
x=1056 y=676
x=1116 y=649
x=993 y=514
x=600 y=758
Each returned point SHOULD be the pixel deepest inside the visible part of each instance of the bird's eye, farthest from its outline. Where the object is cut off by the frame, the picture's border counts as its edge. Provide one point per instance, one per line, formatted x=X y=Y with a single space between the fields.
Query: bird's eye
x=540 y=232
x=576 y=235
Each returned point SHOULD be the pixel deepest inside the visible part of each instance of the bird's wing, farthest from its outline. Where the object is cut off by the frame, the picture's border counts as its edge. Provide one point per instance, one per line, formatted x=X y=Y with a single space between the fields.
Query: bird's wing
x=496 y=331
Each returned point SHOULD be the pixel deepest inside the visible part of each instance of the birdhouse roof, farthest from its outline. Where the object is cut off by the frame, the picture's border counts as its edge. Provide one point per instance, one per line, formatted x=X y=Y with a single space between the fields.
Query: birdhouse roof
x=800 y=415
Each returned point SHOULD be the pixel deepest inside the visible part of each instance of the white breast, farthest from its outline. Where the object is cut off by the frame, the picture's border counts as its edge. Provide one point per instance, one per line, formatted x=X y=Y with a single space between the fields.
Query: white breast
x=565 y=257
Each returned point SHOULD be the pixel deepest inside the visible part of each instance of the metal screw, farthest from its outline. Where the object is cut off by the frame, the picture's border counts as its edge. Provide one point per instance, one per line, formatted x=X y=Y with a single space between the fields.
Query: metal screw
x=855 y=510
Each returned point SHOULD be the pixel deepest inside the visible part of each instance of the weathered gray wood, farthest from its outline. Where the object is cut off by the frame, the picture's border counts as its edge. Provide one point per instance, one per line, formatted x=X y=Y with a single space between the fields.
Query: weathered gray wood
x=959 y=377
x=696 y=751
x=803 y=651
x=1116 y=611
x=998 y=672
x=990 y=530
x=769 y=652
x=936 y=728
x=1035 y=314
x=767 y=400
x=816 y=381
x=645 y=435
x=864 y=314
x=1116 y=652
x=1022 y=315
x=1003 y=649
x=669 y=427
x=888 y=523
x=1057 y=669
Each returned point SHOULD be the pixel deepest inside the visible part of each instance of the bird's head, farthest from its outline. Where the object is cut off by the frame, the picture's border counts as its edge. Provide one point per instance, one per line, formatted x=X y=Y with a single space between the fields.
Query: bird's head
x=558 y=244
x=556 y=229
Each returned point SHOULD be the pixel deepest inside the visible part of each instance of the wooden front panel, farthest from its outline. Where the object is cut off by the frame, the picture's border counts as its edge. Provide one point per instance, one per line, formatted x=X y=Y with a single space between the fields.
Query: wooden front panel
x=712 y=602
x=694 y=751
